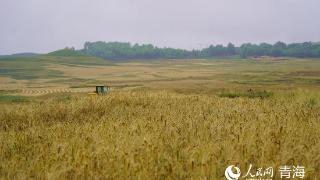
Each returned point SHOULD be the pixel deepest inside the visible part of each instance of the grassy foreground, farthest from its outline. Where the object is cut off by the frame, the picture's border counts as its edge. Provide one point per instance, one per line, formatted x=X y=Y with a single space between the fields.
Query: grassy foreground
x=157 y=134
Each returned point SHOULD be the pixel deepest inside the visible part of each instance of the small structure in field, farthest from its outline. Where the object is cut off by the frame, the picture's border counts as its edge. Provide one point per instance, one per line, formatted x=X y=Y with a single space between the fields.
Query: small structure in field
x=101 y=90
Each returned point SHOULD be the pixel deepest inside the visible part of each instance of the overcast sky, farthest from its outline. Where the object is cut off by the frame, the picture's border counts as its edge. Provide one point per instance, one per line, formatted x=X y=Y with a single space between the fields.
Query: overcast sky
x=46 y=25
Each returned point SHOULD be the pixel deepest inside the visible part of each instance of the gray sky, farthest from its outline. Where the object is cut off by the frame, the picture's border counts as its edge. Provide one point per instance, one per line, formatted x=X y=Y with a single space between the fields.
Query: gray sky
x=46 y=25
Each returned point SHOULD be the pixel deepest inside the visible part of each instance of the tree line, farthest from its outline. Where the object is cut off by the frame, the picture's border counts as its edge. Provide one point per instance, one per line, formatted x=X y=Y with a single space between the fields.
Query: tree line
x=120 y=50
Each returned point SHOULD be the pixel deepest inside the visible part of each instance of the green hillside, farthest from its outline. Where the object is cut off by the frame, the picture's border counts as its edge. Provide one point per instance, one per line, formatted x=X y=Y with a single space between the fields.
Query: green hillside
x=67 y=52
x=23 y=68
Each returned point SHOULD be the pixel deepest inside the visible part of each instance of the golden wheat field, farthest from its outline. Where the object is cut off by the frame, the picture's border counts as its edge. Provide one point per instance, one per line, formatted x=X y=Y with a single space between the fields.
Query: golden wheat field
x=157 y=135
x=161 y=120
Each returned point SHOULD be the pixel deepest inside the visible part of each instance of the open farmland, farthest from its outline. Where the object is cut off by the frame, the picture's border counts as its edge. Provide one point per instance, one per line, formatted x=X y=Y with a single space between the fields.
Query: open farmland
x=65 y=74
x=164 y=119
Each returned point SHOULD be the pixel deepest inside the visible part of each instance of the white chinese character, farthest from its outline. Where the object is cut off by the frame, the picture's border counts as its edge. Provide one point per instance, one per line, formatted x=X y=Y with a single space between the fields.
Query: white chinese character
x=259 y=172
x=249 y=173
x=298 y=172
x=285 y=172
x=268 y=171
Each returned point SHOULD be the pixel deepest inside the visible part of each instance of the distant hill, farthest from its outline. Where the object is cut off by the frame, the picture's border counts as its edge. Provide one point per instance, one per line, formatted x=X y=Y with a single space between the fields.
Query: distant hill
x=66 y=52
x=120 y=50
x=127 y=51
x=27 y=54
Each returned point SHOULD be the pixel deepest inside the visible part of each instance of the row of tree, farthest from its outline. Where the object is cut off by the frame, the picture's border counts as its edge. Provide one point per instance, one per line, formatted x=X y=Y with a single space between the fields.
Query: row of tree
x=118 y=50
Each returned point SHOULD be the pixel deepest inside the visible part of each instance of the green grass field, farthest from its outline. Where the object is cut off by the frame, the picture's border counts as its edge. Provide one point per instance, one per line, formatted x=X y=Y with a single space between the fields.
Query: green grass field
x=163 y=119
